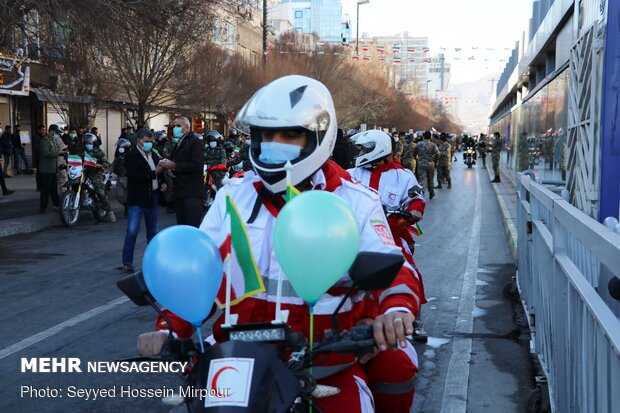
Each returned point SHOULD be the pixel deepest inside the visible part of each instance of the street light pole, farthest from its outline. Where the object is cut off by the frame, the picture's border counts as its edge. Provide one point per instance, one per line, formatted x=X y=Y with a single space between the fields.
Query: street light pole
x=264 y=32
x=357 y=22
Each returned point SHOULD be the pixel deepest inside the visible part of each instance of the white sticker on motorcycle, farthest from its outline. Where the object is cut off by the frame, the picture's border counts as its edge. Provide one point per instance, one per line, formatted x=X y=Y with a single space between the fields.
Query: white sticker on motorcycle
x=229 y=382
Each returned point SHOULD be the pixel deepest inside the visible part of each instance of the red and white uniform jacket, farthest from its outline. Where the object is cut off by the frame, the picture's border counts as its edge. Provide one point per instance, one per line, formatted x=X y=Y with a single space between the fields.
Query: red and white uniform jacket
x=404 y=294
x=393 y=183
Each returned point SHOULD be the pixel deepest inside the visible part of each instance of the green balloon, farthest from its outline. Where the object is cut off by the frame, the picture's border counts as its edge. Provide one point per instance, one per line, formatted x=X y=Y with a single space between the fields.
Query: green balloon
x=316 y=240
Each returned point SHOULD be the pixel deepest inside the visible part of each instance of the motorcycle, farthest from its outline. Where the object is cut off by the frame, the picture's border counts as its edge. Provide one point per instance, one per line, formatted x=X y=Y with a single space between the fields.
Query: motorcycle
x=470 y=156
x=210 y=187
x=79 y=194
x=533 y=156
x=276 y=369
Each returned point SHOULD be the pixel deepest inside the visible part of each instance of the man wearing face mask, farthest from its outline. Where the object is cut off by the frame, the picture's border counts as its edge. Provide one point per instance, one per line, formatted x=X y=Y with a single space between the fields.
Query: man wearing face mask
x=186 y=167
x=96 y=173
x=74 y=145
x=215 y=155
x=143 y=192
x=48 y=168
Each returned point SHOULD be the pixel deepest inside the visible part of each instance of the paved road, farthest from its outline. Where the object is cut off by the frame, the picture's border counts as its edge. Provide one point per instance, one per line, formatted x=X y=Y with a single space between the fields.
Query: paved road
x=60 y=300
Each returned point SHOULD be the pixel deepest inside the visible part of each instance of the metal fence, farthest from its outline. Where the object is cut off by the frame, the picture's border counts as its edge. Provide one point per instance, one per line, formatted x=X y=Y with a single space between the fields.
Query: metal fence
x=565 y=261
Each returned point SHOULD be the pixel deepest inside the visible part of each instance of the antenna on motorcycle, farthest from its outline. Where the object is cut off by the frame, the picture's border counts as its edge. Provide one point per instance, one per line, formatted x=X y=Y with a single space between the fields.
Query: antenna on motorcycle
x=370 y=271
x=134 y=287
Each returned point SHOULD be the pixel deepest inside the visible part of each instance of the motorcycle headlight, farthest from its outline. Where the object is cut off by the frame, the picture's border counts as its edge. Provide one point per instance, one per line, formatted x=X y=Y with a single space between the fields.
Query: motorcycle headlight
x=272 y=334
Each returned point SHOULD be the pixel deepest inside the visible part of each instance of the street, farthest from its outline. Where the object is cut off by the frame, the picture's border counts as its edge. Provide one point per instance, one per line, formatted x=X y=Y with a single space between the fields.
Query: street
x=60 y=300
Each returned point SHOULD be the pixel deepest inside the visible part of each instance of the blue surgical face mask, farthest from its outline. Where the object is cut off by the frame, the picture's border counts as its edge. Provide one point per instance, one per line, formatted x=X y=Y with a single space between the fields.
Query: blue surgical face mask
x=275 y=152
x=89 y=146
x=177 y=131
x=147 y=146
x=213 y=144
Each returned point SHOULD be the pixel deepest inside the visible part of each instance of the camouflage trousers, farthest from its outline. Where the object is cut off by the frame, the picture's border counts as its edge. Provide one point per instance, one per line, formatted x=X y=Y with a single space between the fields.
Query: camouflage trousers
x=426 y=177
x=168 y=196
x=496 y=166
x=103 y=203
x=61 y=180
x=409 y=163
x=121 y=190
x=443 y=173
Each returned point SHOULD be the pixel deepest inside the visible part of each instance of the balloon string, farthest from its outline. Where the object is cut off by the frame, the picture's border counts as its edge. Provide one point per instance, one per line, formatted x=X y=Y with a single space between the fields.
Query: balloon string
x=311 y=345
x=202 y=349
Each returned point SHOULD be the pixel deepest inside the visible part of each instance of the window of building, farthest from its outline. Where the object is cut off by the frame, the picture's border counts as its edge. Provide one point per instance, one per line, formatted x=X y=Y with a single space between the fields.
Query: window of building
x=299 y=14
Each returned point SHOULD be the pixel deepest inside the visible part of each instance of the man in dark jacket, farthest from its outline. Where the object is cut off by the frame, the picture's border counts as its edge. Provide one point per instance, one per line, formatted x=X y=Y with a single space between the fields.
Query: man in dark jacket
x=6 y=145
x=37 y=137
x=143 y=188
x=186 y=167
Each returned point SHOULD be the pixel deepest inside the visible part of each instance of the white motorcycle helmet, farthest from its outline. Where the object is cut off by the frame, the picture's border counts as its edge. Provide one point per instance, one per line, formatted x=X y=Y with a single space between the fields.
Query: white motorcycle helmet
x=376 y=145
x=290 y=102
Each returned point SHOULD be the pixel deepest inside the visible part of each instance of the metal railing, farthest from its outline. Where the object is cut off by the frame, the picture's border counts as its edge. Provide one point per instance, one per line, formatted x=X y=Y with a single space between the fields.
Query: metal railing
x=565 y=261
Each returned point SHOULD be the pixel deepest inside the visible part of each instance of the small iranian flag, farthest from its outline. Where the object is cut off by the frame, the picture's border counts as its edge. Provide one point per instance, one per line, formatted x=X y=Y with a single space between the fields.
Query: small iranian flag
x=397 y=60
x=396 y=48
x=382 y=58
x=380 y=49
x=427 y=50
x=236 y=252
x=74 y=160
x=89 y=160
x=356 y=57
x=365 y=47
x=291 y=192
x=426 y=60
x=410 y=50
x=416 y=230
x=321 y=42
x=366 y=57
x=411 y=60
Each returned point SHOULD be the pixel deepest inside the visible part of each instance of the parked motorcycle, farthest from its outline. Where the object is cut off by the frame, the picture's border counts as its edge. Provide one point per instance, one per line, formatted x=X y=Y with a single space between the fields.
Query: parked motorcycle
x=273 y=363
x=79 y=194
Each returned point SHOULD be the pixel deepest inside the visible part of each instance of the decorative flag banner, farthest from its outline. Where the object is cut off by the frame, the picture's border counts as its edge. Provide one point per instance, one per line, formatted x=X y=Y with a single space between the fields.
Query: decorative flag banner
x=283 y=52
x=426 y=60
x=366 y=57
x=337 y=53
x=321 y=42
x=321 y=53
x=380 y=49
x=397 y=60
x=426 y=50
x=365 y=47
x=395 y=48
x=410 y=50
x=355 y=57
x=411 y=60
x=235 y=245
x=382 y=58
x=89 y=160
x=74 y=160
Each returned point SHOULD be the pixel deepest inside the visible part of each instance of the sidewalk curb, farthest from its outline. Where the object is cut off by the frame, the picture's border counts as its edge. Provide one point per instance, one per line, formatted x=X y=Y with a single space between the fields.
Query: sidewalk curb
x=509 y=222
x=35 y=223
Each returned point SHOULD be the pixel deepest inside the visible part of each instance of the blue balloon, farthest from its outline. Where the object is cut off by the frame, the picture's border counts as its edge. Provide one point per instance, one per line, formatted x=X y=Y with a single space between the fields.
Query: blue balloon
x=182 y=268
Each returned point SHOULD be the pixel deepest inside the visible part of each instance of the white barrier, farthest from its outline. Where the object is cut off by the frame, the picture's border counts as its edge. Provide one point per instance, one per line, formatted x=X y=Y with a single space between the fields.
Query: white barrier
x=565 y=260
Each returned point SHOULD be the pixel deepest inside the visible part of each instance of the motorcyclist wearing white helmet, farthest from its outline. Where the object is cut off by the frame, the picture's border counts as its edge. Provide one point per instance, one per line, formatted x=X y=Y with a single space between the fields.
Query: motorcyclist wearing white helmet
x=293 y=119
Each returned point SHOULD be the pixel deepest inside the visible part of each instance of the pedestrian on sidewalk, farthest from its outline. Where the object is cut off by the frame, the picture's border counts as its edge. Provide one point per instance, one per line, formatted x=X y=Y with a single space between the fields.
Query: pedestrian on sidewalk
x=143 y=191
x=6 y=145
x=49 y=167
x=19 y=152
x=37 y=137
x=495 y=153
x=5 y=190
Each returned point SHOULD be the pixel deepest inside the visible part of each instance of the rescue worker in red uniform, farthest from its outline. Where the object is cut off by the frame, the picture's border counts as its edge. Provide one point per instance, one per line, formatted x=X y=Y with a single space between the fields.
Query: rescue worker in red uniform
x=377 y=169
x=293 y=119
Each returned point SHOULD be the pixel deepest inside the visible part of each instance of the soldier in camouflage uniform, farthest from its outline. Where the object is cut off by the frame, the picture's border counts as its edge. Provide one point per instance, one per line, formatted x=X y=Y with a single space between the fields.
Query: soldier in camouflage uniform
x=397 y=144
x=96 y=173
x=427 y=154
x=496 y=150
x=215 y=155
x=118 y=167
x=443 y=163
x=408 y=159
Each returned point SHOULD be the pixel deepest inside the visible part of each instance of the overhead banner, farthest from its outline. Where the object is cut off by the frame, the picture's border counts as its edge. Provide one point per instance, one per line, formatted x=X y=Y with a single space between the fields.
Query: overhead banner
x=14 y=76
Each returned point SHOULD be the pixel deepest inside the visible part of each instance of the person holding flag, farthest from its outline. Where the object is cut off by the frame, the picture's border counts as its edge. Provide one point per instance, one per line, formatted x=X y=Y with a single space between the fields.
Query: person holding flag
x=292 y=122
x=95 y=162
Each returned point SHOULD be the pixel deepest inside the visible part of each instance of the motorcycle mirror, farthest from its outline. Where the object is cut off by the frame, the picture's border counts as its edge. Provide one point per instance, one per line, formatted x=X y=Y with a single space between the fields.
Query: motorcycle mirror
x=133 y=286
x=375 y=270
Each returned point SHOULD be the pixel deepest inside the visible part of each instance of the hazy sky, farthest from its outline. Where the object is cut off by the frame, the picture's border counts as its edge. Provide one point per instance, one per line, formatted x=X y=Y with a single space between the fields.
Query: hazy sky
x=466 y=24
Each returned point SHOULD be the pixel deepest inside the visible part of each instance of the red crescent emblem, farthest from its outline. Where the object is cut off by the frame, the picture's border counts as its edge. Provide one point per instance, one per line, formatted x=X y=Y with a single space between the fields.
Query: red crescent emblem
x=216 y=376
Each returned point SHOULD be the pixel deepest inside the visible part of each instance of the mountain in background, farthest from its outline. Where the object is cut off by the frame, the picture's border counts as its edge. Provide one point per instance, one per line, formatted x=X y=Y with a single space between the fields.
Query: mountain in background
x=474 y=102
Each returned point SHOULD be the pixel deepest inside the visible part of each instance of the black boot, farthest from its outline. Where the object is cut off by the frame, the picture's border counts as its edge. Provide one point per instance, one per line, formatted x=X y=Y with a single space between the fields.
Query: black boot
x=496 y=180
x=449 y=184
x=438 y=186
